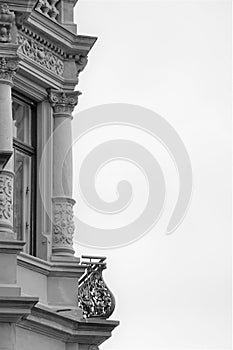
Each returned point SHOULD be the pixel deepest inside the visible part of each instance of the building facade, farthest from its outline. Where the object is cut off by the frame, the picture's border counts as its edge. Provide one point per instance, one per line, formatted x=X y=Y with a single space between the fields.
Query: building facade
x=49 y=298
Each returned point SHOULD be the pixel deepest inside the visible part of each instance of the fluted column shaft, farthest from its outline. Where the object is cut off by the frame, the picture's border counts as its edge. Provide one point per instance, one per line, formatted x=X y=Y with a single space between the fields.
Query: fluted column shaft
x=63 y=103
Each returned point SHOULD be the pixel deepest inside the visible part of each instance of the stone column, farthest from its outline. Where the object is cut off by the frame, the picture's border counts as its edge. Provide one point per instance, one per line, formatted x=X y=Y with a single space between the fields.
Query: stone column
x=63 y=103
x=8 y=66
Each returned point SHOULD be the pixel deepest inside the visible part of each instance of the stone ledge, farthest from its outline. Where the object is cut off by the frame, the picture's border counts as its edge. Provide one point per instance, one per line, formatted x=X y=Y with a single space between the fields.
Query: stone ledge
x=59 y=267
x=65 y=328
x=12 y=309
x=35 y=264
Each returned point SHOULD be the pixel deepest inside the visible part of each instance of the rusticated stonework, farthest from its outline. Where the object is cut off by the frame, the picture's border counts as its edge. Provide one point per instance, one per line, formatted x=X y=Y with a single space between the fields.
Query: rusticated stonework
x=63 y=102
x=41 y=55
x=6 y=199
x=6 y=19
x=63 y=225
x=8 y=68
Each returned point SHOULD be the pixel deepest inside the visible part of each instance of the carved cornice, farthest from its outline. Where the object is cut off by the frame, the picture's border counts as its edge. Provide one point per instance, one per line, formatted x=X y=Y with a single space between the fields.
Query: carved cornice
x=48 y=54
x=53 y=33
x=8 y=68
x=40 y=54
x=46 y=42
x=6 y=20
x=63 y=102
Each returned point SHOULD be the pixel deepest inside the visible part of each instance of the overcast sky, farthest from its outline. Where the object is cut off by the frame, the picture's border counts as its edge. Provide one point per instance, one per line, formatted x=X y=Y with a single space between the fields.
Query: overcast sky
x=173 y=57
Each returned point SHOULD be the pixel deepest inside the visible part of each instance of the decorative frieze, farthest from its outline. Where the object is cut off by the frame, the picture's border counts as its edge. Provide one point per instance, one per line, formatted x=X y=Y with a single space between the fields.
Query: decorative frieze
x=6 y=200
x=8 y=68
x=6 y=20
x=63 y=226
x=63 y=102
x=38 y=53
x=94 y=297
x=48 y=8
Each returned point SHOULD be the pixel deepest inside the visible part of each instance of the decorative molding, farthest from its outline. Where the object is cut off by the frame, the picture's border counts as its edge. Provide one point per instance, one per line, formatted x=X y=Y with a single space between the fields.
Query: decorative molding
x=6 y=20
x=63 y=226
x=63 y=102
x=8 y=68
x=6 y=200
x=94 y=297
x=42 y=40
x=11 y=246
x=38 y=53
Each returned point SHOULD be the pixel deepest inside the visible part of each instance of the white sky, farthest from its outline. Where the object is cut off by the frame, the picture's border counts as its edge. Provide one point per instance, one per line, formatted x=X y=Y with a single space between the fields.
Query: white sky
x=173 y=57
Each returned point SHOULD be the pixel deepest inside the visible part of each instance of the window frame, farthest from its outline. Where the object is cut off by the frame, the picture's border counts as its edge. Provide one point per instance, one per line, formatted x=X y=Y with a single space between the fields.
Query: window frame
x=30 y=151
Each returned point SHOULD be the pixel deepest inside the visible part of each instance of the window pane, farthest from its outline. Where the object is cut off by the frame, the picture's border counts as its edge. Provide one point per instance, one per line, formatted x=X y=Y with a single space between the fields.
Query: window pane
x=22 y=193
x=21 y=121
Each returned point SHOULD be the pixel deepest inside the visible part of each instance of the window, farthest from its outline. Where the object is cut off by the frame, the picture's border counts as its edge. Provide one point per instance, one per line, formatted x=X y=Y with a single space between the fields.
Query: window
x=24 y=138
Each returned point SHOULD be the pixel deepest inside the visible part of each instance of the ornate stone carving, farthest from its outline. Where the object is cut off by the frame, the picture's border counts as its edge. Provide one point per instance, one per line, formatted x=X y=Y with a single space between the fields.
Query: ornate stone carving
x=8 y=68
x=6 y=20
x=41 y=55
x=94 y=297
x=48 y=8
x=81 y=62
x=63 y=102
x=6 y=199
x=63 y=225
x=93 y=347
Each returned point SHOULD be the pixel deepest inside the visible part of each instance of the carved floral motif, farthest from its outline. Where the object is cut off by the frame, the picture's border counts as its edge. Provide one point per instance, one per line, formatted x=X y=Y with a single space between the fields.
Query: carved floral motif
x=8 y=67
x=94 y=297
x=6 y=20
x=41 y=55
x=63 y=101
x=6 y=197
x=63 y=224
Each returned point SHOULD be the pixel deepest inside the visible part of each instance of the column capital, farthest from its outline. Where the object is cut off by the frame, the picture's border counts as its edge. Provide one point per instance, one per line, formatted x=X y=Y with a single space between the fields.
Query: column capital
x=63 y=101
x=8 y=67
